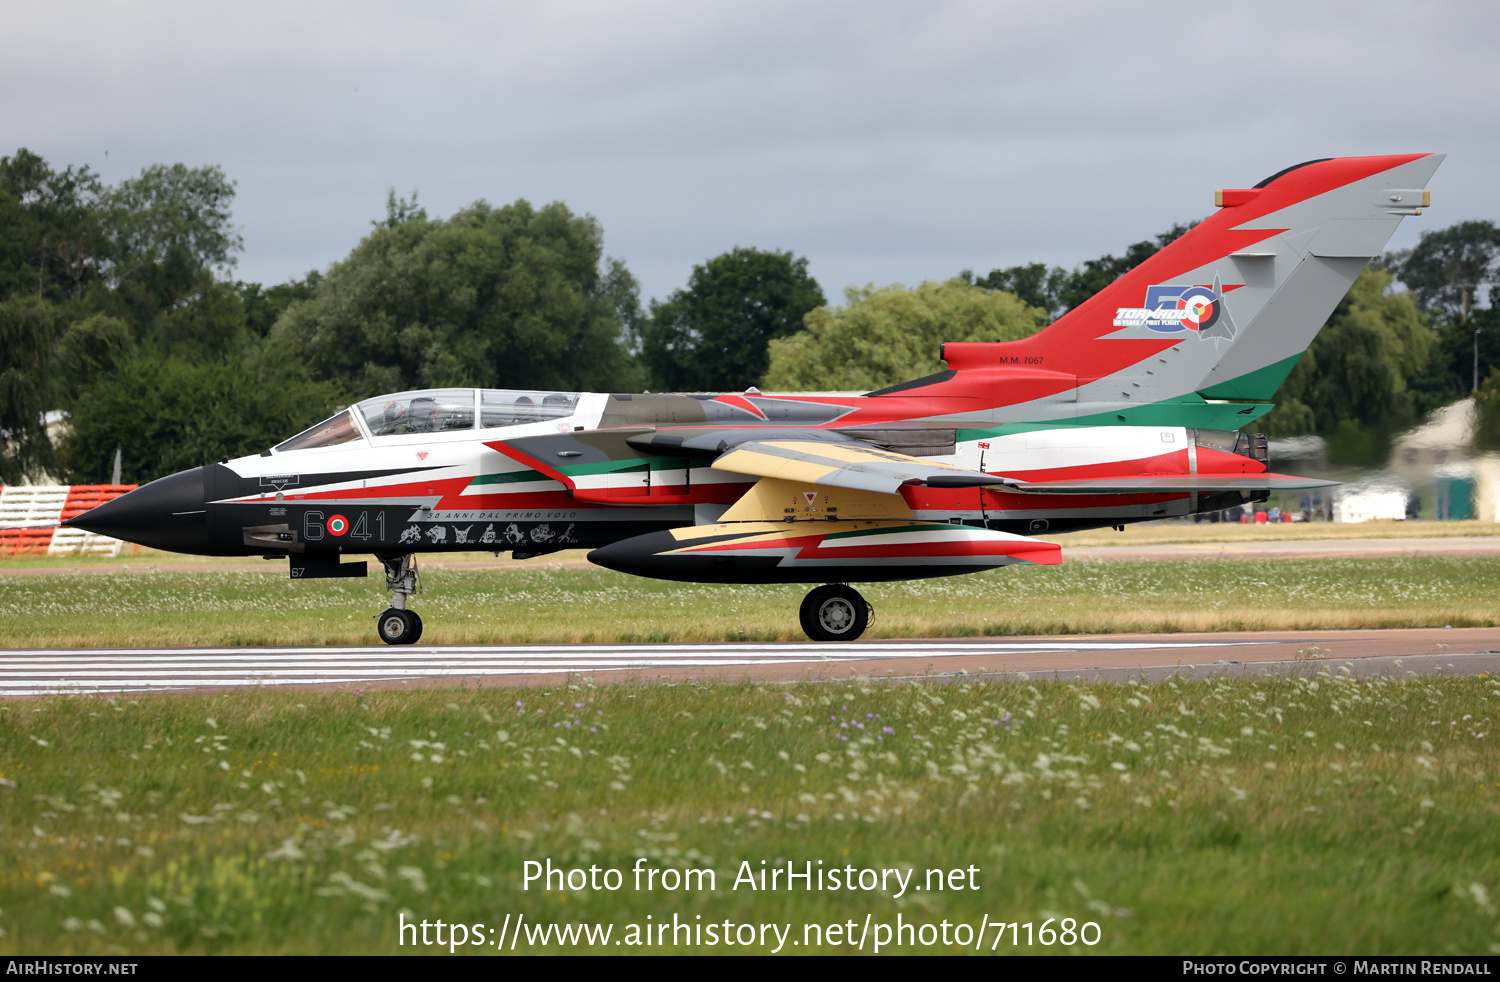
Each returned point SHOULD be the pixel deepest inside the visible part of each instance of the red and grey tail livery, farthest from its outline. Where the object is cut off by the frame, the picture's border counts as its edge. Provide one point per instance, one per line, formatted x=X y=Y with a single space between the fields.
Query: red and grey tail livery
x=1124 y=410
x=1204 y=332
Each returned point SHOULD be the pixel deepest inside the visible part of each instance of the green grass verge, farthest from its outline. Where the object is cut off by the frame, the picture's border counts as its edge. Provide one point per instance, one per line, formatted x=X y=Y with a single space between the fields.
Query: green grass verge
x=538 y=604
x=1325 y=815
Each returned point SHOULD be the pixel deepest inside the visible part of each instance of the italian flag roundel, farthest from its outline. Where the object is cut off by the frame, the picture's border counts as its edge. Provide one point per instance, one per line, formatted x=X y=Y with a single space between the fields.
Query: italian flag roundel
x=338 y=525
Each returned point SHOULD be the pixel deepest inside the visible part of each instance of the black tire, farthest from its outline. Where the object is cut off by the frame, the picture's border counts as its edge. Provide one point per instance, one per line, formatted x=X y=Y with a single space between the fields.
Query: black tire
x=834 y=613
x=398 y=626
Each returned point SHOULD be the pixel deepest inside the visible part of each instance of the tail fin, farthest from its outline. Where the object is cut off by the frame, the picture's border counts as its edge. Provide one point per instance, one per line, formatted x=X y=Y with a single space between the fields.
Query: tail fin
x=1211 y=325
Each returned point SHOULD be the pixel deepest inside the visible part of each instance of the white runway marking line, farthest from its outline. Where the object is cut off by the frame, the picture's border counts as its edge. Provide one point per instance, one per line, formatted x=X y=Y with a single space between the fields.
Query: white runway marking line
x=45 y=671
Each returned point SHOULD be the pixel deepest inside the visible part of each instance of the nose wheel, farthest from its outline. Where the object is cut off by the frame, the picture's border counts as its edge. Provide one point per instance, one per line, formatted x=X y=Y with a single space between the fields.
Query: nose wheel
x=400 y=626
x=396 y=624
x=834 y=613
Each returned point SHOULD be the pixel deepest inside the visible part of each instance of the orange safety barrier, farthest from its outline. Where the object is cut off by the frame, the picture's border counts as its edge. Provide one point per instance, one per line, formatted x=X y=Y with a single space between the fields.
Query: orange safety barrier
x=25 y=542
x=82 y=497
x=31 y=512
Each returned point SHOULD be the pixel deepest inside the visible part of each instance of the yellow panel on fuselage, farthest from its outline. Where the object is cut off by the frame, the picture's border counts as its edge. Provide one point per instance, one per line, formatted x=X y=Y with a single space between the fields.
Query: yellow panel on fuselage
x=776 y=500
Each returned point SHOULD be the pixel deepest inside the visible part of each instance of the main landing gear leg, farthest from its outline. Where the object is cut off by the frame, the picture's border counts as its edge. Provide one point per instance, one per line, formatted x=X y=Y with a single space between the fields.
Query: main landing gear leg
x=835 y=613
x=396 y=624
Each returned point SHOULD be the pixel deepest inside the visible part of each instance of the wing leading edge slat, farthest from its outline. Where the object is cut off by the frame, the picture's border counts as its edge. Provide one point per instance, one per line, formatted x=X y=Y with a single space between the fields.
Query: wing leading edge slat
x=859 y=467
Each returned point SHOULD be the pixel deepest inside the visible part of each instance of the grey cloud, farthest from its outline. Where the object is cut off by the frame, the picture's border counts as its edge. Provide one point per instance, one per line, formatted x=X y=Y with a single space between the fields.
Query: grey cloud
x=886 y=141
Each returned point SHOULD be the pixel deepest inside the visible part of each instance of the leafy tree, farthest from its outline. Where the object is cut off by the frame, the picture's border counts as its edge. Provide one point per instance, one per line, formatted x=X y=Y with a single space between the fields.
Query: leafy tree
x=1447 y=271
x=50 y=235
x=168 y=414
x=1449 y=267
x=102 y=287
x=513 y=296
x=207 y=323
x=713 y=335
x=1034 y=284
x=89 y=349
x=28 y=329
x=168 y=227
x=1057 y=291
x=888 y=335
x=265 y=305
x=143 y=252
x=1448 y=374
x=1354 y=379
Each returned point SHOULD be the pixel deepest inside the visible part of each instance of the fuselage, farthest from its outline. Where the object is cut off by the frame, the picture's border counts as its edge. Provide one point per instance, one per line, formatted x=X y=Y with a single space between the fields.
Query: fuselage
x=533 y=472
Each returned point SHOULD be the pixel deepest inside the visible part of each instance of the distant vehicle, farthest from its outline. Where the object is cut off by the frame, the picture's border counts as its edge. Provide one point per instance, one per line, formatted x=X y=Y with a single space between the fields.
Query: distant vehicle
x=1126 y=409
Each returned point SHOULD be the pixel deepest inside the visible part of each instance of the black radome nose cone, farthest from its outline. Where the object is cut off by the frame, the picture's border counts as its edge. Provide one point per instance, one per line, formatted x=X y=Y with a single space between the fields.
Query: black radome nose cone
x=170 y=514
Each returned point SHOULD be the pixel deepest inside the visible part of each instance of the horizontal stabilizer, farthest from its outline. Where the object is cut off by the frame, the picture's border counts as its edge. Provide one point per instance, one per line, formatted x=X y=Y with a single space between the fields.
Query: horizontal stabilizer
x=1150 y=484
x=859 y=467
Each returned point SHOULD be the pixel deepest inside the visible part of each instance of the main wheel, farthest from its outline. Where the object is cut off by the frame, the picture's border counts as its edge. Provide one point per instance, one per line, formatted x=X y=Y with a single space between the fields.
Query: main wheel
x=834 y=613
x=399 y=626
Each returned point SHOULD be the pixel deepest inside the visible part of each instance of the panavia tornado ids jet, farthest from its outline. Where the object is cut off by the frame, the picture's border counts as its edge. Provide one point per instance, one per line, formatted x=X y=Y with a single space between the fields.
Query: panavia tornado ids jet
x=1128 y=408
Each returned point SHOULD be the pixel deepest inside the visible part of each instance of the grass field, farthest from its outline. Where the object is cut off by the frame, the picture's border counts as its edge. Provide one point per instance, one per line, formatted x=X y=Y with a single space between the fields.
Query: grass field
x=1324 y=815
x=1171 y=532
x=463 y=604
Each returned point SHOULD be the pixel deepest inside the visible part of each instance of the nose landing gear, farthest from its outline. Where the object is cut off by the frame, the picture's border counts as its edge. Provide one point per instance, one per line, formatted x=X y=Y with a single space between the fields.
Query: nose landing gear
x=396 y=624
x=834 y=613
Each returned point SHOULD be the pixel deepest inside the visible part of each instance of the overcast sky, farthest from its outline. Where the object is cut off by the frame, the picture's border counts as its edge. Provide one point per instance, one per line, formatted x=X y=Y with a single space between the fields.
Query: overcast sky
x=887 y=142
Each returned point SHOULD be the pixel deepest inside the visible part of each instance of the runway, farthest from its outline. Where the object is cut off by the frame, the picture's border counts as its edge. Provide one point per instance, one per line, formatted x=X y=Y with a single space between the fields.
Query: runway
x=1089 y=658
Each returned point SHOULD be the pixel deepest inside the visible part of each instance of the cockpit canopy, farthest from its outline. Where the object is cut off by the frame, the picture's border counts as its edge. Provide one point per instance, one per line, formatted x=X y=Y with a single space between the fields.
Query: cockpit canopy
x=436 y=411
x=427 y=411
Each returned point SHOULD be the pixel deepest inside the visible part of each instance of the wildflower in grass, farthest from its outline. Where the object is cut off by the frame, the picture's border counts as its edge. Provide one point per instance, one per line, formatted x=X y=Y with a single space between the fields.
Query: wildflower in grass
x=125 y=917
x=1479 y=895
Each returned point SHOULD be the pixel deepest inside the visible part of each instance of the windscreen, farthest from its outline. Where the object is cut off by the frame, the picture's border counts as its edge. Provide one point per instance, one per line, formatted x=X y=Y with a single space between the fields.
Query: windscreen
x=329 y=433
x=426 y=411
x=509 y=407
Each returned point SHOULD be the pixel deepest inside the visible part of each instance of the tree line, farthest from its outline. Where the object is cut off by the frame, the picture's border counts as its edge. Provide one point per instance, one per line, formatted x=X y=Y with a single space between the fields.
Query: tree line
x=120 y=313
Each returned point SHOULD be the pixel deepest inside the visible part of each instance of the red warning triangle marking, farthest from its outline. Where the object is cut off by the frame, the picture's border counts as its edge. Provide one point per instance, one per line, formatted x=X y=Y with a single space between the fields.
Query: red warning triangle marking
x=422 y=454
x=811 y=496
